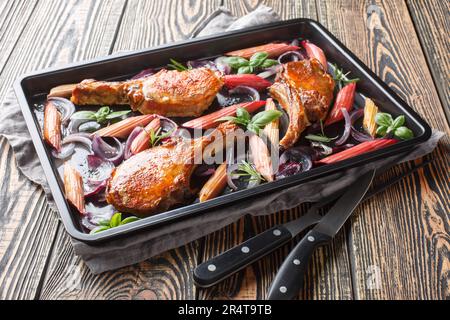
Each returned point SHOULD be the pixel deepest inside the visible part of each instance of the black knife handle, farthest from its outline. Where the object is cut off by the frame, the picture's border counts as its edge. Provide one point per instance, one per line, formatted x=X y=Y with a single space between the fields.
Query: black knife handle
x=222 y=266
x=290 y=276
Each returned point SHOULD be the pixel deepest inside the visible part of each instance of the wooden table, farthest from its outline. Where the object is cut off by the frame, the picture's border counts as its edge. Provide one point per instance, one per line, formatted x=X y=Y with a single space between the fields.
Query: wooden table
x=396 y=245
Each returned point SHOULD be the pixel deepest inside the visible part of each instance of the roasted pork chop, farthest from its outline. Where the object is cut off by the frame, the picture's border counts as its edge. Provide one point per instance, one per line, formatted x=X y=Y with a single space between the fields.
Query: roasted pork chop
x=158 y=178
x=168 y=93
x=305 y=91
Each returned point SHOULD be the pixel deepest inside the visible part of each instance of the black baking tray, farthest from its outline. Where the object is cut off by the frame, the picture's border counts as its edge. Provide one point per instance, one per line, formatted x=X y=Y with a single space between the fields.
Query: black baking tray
x=32 y=87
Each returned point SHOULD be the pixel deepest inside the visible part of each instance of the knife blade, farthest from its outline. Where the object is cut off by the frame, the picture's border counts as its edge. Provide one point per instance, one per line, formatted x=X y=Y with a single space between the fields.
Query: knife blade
x=289 y=279
x=231 y=261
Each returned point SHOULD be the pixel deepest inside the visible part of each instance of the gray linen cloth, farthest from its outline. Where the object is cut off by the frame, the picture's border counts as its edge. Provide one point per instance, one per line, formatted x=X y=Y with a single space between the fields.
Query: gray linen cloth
x=139 y=247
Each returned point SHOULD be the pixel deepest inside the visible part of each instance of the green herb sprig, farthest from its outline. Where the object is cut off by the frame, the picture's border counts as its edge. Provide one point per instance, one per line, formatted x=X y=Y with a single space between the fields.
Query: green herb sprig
x=255 y=123
x=245 y=169
x=341 y=78
x=175 y=65
x=387 y=125
x=101 y=116
x=258 y=60
x=320 y=137
x=115 y=221
x=157 y=136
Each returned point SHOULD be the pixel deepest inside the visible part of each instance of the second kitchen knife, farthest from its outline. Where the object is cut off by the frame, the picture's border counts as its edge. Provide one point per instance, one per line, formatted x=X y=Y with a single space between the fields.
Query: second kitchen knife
x=289 y=279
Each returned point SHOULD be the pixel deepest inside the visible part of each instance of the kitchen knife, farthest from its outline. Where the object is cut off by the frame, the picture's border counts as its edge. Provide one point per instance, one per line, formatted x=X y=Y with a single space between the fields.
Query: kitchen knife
x=231 y=261
x=290 y=277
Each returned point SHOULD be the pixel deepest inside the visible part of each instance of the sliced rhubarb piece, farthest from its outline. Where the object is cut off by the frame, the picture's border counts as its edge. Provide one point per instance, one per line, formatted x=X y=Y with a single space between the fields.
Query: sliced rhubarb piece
x=123 y=128
x=272 y=49
x=210 y=120
x=249 y=80
x=142 y=141
x=73 y=186
x=345 y=99
x=357 y=150
x=314 y=51
x=215 y=185
x=52 y=126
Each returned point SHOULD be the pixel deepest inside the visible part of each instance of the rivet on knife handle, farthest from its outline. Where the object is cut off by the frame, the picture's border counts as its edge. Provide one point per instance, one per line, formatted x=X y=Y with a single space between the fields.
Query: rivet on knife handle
x=233 y=260
x=290 y=276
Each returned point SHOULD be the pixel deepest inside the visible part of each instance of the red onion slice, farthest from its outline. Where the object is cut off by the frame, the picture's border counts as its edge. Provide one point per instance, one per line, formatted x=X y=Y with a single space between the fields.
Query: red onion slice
x=290 y=56
x=107 y=152
x=127 y=152
x=82 y=138
x=222 y=66
x=144 y=73
x=66 y=151
x=359 y=136
x=347 y=128
x=64 y=106
x=74 y=125
x=92 y=188
x=237 y=95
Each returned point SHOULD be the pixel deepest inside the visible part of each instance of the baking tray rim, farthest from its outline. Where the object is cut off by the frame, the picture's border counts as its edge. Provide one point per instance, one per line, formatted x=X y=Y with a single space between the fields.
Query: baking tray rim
x=228 y=199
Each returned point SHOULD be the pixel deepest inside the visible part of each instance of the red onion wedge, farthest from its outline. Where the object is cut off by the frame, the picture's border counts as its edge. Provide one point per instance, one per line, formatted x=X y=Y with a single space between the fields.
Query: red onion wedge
x=222 y=66
x=66 y=151
x=144 y=73
x=238 y=94
x=133 y=135
x=93 y=188
x=270 y=71
x=359 y=136
x=347 y=128
x=290 y=56
x=82 y=138
x=106 y=151
x=64 y=106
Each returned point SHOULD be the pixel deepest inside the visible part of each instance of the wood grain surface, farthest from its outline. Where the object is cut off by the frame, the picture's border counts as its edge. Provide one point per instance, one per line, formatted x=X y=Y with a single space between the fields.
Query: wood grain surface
x=432 y=23
x=395 y=247
x=169 y=275
x=398 y=237
x=43 y=42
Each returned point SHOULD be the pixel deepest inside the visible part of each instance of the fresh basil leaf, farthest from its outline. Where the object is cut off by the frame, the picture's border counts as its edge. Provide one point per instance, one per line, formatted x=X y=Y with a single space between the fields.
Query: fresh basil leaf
x=128 y=220
x=243 y=114
x=265 y=117
x=383 y=119
x=398 y=122
x=403 y=133
x=318 y=138
x=102 y=113
x=104 y=223
x=117 y=114
x=227 y=118
x=84 y=115
x=236 y=62
x=259 y=56
x=99 y=229
x=255 y=63
x=245 y=70
x=269 y=63
x=381 y=131
x=253 y=128
x=115 y=220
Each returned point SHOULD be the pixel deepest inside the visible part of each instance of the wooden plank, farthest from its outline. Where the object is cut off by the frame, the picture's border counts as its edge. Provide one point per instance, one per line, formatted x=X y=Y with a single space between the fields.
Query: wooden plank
x=432 y=23
x=27 y=229
x=28 y=226
x=328 y=276
x=13 y=18
x=169 y=275
x=399 y=241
